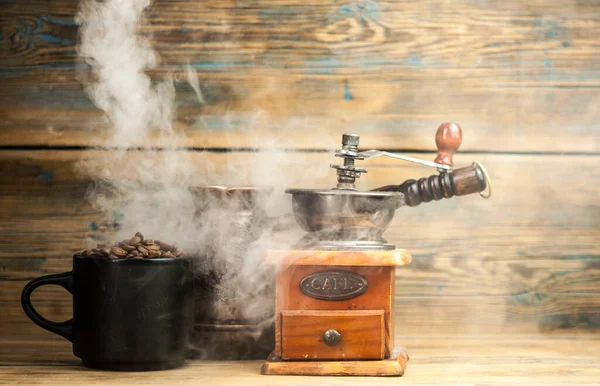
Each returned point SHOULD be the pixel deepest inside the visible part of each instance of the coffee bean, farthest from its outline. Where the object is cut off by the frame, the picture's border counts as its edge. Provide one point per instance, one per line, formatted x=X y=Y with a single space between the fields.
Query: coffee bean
x=134 y=240
x=126 y=247
x=165 y=246
x=134 y=248
x=118 y=251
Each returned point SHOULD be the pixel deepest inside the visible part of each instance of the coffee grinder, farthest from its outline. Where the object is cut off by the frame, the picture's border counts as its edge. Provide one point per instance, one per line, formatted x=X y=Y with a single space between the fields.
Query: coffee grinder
x=334 y=311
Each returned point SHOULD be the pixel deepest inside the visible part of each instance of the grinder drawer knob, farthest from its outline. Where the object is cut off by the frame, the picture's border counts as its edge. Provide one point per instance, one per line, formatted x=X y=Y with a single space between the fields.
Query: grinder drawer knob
x=332 y=337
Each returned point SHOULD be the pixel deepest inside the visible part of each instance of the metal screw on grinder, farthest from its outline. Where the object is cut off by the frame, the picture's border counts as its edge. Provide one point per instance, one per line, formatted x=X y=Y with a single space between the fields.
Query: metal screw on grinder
x=347 y=173
x=350 y=140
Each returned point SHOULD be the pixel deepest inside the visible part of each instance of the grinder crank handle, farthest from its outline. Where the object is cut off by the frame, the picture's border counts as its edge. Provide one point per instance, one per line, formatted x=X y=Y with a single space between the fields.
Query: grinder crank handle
x=448 y=138
x=459 y=182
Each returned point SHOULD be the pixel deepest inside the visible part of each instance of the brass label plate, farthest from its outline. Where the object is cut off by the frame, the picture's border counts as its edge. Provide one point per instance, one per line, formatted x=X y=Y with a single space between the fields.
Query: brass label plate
x=334 y=285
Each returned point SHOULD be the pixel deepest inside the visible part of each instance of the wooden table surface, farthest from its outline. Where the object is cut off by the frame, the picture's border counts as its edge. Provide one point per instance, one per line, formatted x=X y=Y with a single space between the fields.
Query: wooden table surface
x=559 y=359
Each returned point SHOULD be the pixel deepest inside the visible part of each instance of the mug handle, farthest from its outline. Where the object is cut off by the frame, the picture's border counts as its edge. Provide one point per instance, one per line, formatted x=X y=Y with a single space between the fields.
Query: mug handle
x=65 y=280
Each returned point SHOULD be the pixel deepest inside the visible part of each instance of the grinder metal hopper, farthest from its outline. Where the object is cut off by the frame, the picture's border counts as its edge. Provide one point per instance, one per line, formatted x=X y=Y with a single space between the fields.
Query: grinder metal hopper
x=344 y=218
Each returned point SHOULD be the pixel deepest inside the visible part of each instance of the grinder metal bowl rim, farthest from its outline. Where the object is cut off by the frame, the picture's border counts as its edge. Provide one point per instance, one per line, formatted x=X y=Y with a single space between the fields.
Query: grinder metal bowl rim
x=345 y=192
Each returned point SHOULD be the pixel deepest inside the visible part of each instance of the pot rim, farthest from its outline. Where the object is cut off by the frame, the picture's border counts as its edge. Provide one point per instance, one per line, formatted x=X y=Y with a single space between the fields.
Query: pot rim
x=153 y=260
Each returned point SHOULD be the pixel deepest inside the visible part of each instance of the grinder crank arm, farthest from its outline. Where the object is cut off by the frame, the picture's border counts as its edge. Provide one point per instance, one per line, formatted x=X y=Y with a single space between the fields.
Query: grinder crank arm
x=378 y=153
x=448 y=138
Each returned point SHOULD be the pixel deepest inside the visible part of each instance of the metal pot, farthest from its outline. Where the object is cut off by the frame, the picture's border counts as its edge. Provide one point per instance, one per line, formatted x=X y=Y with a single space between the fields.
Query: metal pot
x=222 y=329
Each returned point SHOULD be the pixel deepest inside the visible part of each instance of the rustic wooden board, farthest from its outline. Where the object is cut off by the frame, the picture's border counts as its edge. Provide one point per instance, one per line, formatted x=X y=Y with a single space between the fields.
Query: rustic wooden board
x=532 y=212
x=225 y=35
x=434 y=359
x=447 y=313
x=525 y=261
x=519 y=76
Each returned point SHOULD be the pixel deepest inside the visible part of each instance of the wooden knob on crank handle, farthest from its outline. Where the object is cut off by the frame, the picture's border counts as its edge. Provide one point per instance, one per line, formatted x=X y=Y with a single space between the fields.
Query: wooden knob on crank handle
x=448 y=138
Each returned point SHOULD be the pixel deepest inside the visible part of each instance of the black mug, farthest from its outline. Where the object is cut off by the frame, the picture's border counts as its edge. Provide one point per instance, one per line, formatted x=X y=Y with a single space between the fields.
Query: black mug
x=128 y=314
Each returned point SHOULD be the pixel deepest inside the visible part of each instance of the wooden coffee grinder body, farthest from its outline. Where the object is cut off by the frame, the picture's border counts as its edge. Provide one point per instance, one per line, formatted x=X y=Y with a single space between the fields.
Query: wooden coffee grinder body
x=334 y=314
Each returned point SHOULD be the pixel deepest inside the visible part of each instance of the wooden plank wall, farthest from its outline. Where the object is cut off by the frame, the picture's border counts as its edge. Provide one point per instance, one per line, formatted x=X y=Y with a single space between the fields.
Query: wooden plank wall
x=521 y=76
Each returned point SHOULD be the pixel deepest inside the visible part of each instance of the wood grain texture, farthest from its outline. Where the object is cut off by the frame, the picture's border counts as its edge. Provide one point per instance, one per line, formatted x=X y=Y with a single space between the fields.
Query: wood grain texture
x=525 y=261
x=224 y=35
x=435 y=359
x=393 y=366
x=362 y=334
x=378 y=297
x=397 y=257
x=520 y=76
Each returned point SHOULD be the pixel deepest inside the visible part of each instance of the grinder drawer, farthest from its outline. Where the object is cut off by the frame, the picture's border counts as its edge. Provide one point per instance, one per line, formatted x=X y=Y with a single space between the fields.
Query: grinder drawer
x=332 y=334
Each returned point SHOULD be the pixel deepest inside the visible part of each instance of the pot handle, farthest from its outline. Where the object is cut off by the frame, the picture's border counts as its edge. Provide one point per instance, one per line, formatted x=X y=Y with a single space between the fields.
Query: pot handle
x=65 y=280
x=459 y=182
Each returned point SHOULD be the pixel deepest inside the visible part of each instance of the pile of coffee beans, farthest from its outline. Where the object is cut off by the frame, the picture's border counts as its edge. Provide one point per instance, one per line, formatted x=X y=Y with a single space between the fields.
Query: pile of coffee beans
x=135 y=248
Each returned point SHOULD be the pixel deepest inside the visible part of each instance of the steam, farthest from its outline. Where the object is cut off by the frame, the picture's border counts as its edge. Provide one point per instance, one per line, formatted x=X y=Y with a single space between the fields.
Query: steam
x=145 y=190
x=119 y=56
x=193 y=81
x=146 y=182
